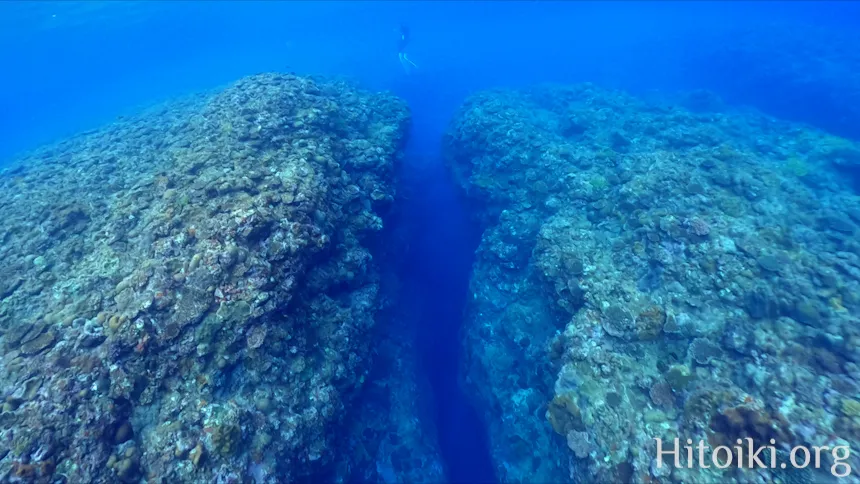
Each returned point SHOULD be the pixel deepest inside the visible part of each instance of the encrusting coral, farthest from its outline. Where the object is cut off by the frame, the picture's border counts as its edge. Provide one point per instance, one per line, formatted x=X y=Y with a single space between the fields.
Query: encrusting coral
x=187 y=294
x=649 y=272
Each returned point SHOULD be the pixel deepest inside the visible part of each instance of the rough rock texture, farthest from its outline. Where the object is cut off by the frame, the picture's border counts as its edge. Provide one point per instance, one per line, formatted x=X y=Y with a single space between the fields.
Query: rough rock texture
x=387 y=440
x=187 y=295
x=389 y=436
x=650 y=272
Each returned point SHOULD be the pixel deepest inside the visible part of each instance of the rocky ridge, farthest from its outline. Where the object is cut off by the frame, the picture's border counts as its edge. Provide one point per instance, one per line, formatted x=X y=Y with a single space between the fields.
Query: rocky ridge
x=187 y=295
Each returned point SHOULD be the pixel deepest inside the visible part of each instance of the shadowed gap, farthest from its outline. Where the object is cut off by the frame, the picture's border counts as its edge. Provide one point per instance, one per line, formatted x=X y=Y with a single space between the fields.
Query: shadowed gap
x=439 y=246
x=435 y=276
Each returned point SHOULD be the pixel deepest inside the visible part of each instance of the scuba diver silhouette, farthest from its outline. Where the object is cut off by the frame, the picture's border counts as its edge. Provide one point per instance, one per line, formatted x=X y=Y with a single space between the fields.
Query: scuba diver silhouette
x=407 y=64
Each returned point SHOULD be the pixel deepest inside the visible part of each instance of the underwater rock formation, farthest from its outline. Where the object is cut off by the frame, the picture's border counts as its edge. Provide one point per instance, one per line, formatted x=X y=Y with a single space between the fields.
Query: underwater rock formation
x=187 y=296
x=649 y=272
x=386 y=440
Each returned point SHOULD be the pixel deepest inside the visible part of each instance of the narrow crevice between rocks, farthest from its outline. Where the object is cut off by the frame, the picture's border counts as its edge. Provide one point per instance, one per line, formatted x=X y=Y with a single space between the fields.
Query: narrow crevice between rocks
x=435 y=271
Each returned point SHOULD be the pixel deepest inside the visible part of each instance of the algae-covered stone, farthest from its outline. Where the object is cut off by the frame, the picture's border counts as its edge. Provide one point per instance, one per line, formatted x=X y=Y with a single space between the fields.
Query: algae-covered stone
x=191 y=306
x=227 y=439
x=38 y=344
x=123 y=433
x=771 y=263
x=649 y=322
x=678 y=377
x=31 y=388
x=41 y=264
x=654 y=416
x=564 y=415
x=807 y=312
x=618 y=322
x=9 y=285
x=839 y=223
x=14 y=334
x=224 y=429
x=235 y=312
x=263 y=403
x=703 y=351
x=197 y=454
x=760 y=303
x=851 y=408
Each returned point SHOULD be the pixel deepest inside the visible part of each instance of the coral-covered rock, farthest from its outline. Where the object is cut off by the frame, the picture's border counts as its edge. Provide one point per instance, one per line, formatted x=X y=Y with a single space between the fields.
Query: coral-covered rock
x=666 y=266
x=194 y=287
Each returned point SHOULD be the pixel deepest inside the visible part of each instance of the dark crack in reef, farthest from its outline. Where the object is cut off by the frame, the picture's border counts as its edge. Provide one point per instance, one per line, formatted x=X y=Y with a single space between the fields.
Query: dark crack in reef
x=187 y=296
x=650 y=272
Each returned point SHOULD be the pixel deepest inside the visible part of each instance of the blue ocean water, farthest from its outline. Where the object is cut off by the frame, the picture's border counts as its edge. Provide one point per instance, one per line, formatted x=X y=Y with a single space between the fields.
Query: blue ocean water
x=93 y=60
x=67 y=67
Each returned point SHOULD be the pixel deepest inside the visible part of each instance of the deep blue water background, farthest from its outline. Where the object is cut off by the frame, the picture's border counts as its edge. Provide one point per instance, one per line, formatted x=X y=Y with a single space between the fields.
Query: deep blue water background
x=69 y=66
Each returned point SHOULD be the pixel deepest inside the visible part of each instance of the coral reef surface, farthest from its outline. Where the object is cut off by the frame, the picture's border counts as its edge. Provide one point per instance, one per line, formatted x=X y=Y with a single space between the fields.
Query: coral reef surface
x=650 y=272
x=187 y=295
